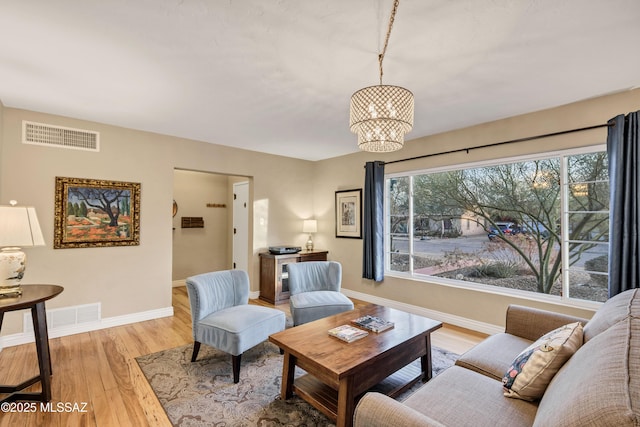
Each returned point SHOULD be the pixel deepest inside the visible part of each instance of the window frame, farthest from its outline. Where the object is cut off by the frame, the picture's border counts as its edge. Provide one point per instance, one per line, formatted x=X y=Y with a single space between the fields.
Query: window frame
x=528 y=295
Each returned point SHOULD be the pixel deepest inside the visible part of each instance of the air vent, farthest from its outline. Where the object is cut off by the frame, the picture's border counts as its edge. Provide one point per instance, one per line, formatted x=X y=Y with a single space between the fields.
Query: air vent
x=74 y=316
x=58 y=136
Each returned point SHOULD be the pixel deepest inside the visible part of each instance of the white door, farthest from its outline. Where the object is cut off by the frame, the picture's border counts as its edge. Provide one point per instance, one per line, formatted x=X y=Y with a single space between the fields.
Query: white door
x=241 y=226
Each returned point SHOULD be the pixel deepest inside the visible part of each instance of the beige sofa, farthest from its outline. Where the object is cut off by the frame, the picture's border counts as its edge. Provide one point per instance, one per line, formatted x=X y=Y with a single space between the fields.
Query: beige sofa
x=598 y=386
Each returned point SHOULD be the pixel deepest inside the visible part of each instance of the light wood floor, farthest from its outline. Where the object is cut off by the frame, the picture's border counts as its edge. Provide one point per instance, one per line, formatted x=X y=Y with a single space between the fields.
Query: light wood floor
x=97 y=370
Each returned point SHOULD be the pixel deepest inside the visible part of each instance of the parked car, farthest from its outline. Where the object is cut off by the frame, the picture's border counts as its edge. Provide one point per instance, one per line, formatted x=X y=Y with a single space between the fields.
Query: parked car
x=536 y=228
x=505 y=228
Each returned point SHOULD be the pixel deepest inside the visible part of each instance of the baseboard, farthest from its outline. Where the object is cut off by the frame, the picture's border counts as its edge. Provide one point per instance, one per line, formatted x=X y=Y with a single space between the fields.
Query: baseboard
x=450 y=319
x=24 y=338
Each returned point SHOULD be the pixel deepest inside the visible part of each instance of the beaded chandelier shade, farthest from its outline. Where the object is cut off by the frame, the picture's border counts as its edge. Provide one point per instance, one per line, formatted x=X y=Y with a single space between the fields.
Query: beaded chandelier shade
x=381 y=115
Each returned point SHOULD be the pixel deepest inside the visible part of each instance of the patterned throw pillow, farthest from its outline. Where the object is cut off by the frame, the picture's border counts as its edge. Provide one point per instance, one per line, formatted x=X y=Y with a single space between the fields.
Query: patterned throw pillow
x=532 y=370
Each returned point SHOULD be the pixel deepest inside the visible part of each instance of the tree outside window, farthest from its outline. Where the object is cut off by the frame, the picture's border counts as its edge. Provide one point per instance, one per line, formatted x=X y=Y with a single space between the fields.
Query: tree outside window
x=538 y=225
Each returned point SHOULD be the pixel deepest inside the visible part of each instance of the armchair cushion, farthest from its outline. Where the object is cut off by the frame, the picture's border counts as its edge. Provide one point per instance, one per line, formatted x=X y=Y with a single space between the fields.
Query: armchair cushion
x=314 y=288
x=309 y=306
x=235 y=330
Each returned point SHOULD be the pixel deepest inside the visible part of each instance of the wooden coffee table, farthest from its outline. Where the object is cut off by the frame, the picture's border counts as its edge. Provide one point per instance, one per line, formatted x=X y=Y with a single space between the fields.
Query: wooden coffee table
x=339 y=373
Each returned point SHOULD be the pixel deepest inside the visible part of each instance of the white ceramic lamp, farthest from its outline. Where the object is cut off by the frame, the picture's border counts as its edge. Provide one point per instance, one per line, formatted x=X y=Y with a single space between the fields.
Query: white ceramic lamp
x=19 y=228
x=310 y=226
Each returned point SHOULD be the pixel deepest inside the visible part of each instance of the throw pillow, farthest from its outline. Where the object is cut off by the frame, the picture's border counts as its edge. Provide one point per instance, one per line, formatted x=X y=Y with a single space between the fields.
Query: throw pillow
x=532 y=370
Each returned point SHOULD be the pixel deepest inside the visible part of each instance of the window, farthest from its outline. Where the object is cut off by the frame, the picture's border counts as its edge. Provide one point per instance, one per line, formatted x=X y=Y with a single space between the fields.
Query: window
x=536 y=225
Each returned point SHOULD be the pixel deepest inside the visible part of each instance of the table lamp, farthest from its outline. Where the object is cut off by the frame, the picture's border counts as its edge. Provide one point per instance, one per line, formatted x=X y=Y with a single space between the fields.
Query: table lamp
x=310 y=226
x=19 y=227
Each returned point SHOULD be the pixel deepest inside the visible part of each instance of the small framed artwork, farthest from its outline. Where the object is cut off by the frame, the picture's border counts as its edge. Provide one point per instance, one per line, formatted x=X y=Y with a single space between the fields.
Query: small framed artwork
x=92 y=213
x=349 y=214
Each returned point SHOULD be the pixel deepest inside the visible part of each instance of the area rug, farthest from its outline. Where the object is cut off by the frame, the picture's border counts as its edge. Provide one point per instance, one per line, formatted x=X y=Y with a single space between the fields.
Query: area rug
x=203 y=393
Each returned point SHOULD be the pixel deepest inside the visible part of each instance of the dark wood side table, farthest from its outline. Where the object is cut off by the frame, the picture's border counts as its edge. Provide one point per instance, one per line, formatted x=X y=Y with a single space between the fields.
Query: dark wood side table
x=33 y=297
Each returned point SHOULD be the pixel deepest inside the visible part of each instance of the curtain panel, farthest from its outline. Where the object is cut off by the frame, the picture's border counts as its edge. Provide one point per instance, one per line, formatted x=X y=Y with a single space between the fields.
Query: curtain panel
x=624 y=221
x=373 y=222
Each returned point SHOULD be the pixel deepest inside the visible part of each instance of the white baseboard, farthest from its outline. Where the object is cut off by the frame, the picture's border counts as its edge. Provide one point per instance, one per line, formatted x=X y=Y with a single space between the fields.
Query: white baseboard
x=450 y=319
x=27 y=337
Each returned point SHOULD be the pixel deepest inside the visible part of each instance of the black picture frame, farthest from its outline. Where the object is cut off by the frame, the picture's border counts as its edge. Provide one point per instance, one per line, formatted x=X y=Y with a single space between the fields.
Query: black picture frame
x=349 y=213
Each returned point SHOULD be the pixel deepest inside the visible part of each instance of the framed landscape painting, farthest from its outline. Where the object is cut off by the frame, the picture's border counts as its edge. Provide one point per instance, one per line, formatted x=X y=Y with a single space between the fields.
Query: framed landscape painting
x=96 y=213
x=349 y=214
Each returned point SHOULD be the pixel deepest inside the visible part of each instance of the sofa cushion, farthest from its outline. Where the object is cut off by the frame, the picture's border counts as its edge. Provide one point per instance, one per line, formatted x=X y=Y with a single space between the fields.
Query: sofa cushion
x=532 y=370
x=494 y=355
x=613 y=311
x=600 y=384
x=459 y=397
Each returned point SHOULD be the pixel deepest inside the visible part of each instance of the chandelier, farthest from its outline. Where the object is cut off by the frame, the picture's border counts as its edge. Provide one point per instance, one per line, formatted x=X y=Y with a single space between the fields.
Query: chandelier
x=381 y=114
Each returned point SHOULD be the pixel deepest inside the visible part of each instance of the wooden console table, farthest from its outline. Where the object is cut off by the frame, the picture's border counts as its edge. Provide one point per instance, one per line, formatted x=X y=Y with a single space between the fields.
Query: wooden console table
x=274 y=276
x=33 y=297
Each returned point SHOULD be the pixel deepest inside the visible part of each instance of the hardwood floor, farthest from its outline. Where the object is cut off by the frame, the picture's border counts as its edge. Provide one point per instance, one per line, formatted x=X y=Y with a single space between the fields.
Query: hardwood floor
x=97 y=382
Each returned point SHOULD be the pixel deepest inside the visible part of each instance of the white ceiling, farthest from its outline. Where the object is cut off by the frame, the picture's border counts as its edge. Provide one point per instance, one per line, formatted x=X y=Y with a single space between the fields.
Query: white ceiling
x=276 y=76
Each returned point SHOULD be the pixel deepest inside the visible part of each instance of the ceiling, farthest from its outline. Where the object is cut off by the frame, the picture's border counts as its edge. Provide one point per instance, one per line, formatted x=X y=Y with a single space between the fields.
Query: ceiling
x=276 y=76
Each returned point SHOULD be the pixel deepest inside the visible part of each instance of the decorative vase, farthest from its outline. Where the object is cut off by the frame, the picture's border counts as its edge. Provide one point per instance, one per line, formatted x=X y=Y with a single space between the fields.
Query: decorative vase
x=12 y=266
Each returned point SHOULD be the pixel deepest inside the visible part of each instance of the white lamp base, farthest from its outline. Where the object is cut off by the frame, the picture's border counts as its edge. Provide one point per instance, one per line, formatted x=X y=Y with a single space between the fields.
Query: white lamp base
x=12 y=265
x=309 y=244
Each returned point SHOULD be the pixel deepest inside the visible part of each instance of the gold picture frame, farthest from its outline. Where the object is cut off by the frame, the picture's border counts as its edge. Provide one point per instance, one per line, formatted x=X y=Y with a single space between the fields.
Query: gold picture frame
x=349 y=214
x=92 y=213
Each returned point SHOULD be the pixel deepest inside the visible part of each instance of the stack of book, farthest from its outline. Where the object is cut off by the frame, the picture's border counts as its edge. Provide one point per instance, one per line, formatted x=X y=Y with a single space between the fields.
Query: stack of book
x=373 y=323
x=347 y=333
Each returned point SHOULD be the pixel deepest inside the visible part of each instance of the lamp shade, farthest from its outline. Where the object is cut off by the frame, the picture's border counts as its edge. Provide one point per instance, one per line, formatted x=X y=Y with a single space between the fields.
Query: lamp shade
x=19 y=226
x=310 y=226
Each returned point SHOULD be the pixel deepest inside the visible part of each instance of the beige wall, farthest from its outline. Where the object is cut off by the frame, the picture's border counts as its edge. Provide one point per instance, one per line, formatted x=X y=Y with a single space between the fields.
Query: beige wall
x=348 y=172
x=135 y=279
x=199 y=250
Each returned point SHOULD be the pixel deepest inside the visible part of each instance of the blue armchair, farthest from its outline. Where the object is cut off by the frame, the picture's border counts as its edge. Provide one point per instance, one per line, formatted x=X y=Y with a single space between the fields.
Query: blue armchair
x=222 y=318
x=314 y=291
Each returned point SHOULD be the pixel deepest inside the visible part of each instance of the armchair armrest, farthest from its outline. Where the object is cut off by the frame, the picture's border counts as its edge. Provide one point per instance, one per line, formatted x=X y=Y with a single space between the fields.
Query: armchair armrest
x=532 y=323
x=375 y=409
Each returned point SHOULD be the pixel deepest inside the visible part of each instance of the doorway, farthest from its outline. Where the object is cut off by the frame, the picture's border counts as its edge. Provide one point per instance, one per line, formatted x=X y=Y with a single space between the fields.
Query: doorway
x=211 y=245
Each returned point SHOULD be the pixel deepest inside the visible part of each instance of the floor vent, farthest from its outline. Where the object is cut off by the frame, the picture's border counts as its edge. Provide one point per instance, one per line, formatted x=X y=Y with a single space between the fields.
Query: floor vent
x=66 y=316
x=59 y=136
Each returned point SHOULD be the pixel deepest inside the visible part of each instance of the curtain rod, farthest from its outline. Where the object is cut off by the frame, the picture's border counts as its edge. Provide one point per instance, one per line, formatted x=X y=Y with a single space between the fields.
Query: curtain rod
x=512 y=141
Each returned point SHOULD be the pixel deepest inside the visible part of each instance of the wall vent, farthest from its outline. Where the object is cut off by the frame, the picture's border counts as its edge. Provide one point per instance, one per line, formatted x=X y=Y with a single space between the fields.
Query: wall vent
x=59 y=136
x=66 y=317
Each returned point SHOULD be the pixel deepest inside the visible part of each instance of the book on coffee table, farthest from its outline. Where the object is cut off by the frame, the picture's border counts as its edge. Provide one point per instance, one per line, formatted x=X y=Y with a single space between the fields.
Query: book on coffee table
x=347 y=333
x=373 y=323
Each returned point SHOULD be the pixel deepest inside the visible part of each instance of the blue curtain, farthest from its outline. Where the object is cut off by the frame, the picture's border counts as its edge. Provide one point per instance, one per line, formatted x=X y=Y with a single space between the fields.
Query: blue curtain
x=624 y=222
x=373 y=224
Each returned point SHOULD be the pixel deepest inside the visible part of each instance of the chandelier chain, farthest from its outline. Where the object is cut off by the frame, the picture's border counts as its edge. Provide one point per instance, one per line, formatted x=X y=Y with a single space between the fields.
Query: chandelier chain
x=386 y=41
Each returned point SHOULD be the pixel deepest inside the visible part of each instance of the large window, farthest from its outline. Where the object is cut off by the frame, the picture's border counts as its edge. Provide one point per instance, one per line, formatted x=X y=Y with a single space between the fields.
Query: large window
x=530 y=225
